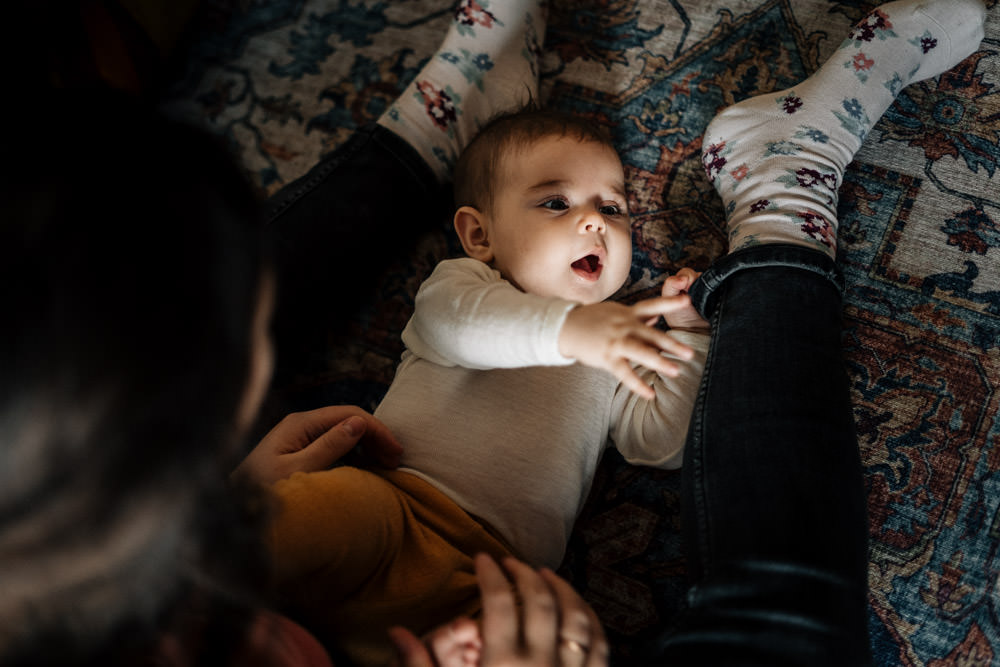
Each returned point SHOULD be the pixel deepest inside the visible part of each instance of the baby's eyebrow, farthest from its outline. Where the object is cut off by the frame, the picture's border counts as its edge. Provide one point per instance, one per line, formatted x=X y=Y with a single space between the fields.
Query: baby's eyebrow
x=545 y=185
x=618 y=188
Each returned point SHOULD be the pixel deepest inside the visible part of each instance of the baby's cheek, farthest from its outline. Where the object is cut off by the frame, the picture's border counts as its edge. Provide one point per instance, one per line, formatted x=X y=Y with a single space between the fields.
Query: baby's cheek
x=623 y=265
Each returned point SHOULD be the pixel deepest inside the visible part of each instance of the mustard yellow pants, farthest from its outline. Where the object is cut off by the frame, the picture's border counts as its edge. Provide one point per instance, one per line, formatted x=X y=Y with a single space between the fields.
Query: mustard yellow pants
x=356 y=552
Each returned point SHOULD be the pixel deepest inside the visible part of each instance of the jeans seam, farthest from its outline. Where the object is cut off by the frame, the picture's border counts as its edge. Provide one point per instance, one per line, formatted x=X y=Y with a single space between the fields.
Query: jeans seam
x=704 y=291
x=320 y=175
x=698 y=484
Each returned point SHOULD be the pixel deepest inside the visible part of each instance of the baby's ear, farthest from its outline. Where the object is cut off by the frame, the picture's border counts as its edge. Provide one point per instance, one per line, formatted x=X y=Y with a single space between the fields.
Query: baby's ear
x=470 y=225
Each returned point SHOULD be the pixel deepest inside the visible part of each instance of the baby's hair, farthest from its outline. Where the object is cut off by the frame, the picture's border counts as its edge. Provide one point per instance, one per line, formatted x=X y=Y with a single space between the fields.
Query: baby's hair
x=478 y=169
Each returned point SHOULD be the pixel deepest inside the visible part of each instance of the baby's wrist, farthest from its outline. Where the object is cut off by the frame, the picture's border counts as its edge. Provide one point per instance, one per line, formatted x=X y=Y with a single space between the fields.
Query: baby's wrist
x=566 y=335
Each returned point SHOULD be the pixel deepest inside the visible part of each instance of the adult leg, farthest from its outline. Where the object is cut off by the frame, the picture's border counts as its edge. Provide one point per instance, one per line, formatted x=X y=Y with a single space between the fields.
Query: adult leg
x=336 y=229
x=774 y=501
x=487 y=63
x=775 y=515
x=777 y=160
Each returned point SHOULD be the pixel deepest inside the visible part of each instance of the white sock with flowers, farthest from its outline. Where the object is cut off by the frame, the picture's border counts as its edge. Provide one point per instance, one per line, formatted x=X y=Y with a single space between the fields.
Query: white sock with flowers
x=778 y=159
x=487 y=63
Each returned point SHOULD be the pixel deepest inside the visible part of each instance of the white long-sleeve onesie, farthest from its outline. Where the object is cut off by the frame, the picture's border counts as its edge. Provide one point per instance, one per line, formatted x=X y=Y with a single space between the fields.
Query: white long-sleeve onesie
x=490 y=412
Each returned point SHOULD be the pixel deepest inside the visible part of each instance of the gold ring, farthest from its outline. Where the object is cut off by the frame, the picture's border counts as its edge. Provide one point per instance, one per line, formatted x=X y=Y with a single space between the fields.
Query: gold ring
x=574 y=645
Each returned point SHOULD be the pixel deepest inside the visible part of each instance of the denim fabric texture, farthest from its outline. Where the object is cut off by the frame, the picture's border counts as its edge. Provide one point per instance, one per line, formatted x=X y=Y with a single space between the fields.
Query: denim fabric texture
x=774 y=505
x=335 y=230
x=703 y=290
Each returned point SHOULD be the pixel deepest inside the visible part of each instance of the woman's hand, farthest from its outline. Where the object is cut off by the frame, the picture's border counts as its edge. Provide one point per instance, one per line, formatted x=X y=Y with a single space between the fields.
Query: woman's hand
x=314 y=440
x=536 y=620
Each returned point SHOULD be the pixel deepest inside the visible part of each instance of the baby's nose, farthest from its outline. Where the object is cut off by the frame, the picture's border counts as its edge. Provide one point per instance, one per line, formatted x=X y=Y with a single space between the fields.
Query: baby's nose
x=591 y=221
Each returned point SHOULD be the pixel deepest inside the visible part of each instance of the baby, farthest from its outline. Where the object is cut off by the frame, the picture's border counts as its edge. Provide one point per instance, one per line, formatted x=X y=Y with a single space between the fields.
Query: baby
x=488 y=402
x=502 y=429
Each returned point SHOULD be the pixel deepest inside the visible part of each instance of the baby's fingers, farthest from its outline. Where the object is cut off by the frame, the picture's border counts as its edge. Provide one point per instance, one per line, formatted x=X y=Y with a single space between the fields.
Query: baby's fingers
x=662 y=305
x=651 y=358
x=679 y=283
x=673 y=286
x=652 y=338
x=628 y=377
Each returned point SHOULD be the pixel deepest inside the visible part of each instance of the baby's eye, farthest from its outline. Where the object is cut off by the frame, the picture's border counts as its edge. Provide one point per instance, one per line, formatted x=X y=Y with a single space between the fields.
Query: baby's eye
x=611 y=209
x=555 y=205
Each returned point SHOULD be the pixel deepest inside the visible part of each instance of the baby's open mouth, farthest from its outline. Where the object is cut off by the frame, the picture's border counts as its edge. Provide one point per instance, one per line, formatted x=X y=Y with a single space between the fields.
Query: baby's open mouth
x=588 y=267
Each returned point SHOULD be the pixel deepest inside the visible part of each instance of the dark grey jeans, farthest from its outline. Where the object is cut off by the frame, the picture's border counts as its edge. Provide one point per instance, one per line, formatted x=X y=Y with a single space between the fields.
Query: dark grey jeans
x=774 y=508
x=336 y=230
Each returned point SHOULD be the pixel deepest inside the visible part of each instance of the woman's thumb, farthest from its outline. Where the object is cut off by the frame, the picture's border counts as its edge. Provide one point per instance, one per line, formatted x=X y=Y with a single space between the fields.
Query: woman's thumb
x=335 y=443
x=354 y=427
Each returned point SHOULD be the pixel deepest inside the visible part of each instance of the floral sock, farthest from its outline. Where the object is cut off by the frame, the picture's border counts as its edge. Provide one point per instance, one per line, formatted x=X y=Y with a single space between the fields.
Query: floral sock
x=488 y=63
x=778 y=159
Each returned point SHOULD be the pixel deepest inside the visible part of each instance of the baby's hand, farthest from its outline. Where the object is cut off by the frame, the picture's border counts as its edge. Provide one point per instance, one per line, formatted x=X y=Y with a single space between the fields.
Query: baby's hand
x=609 y=335
x=683 y=318
x=457 y=644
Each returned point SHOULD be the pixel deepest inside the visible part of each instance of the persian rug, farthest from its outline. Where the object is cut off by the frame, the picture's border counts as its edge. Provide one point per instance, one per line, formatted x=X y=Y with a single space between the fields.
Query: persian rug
x=287 y=81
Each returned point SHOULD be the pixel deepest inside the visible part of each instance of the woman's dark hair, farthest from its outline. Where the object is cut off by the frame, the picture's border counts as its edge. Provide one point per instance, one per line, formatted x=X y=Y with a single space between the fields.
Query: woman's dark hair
x=131 y=261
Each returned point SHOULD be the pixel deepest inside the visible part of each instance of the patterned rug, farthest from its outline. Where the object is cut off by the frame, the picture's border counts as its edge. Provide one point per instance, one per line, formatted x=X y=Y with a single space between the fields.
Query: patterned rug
x=287 y=81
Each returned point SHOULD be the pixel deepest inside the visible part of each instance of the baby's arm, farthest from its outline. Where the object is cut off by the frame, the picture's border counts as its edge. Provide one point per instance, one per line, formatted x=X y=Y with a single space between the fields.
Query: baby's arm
x=614 y=336
x=653 y=433
x=467 y=315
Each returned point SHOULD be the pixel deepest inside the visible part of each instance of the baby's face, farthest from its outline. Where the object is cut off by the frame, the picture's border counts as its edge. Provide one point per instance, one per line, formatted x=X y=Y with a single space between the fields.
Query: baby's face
x=559 y=224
